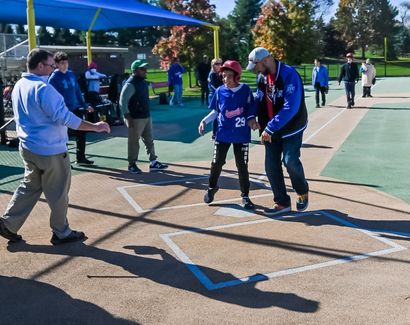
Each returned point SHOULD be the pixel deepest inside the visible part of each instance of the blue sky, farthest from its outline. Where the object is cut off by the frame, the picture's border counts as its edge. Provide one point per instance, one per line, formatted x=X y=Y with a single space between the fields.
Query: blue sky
x=224 y=7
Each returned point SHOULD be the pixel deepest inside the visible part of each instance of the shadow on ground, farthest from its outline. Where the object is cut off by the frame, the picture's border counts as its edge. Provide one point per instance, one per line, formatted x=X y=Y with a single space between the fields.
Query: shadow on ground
x=33 y=302
x=171 y=272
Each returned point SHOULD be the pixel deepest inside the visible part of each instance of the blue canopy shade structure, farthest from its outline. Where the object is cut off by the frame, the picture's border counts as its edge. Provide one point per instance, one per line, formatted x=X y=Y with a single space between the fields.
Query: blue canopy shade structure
x=92 y=15
x=78 y=14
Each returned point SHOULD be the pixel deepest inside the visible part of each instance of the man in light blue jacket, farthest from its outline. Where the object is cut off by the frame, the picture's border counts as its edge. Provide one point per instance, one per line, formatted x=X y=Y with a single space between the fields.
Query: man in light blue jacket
x=320 y=81
x=41 y=120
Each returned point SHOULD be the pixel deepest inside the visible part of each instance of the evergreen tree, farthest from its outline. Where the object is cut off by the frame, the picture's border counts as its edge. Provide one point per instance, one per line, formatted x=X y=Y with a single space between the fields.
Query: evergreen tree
x=78 y=37
x=242 y=20
x=44 y=36
x=333 y=44
x=20 y=29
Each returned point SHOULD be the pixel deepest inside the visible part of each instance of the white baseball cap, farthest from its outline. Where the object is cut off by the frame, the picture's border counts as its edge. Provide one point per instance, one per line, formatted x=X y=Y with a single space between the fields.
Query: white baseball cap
x=257 y=55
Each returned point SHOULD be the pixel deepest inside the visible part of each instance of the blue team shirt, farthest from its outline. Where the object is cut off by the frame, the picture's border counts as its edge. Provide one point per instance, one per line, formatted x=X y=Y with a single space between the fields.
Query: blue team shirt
x=234 y=107
x=66 y=84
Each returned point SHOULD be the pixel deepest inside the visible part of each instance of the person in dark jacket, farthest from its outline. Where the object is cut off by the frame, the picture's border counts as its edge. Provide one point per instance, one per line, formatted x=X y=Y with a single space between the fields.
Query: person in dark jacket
x=282 y=117
x=65 y=82
x=202 y=76
x=134 y=105
x=349 y=73
x=214 y=82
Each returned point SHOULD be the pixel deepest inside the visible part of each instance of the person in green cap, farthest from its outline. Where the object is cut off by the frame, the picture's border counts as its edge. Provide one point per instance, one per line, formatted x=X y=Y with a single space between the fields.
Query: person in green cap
x=134 y=105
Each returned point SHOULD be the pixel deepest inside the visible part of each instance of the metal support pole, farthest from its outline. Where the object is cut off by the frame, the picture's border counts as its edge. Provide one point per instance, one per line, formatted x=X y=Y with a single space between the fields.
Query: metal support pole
x=88 y=38
x=3 y=138
x=31 y=25
x=385 y=57
x=216 y=39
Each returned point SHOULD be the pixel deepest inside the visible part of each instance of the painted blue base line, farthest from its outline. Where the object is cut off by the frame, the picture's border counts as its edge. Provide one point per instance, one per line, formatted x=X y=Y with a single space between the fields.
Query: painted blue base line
x=209 y=285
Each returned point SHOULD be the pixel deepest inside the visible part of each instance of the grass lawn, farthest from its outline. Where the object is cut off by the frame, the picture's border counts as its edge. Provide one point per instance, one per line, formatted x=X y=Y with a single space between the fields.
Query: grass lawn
x=393 y=68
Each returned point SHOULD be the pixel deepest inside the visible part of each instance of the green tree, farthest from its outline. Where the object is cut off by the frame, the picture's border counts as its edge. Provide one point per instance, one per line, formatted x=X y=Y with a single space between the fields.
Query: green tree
x=20 y=29
x=242 y=20
x=365 y=23
x=78 y=37
x=286 y=28
x=44 y=36
x=189 y=43
x=333 y=44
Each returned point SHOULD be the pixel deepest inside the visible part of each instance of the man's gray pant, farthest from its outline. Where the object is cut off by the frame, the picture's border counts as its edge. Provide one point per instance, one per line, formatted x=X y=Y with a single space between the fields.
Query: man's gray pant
x=50 y=175
x=141 y=128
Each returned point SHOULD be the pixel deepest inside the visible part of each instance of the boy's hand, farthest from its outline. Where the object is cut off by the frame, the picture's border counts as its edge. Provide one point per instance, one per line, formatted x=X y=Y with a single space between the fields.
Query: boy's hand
x=253 y=124
x=201 y=128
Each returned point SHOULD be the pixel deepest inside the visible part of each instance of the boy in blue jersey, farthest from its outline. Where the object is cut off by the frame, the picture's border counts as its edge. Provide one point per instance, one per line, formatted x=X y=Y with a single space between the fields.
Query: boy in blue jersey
x=65 y=82
x=233 y=106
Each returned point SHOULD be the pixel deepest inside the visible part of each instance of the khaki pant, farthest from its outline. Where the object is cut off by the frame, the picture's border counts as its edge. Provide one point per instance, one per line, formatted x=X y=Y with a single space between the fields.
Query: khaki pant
x=50 y=175
x=140 y=128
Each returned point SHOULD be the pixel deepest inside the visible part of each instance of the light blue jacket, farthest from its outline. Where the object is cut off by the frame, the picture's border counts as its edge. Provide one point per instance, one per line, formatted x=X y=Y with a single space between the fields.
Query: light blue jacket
x=41 y=116
x=320 y=75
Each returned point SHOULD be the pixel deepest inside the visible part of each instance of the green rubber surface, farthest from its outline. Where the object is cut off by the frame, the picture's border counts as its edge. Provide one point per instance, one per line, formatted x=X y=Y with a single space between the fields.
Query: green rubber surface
x=377 y=152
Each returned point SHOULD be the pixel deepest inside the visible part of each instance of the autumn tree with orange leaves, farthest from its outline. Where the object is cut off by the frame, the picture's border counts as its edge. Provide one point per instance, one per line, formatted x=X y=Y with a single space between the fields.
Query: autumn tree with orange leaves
x=189 y=43
x=287 y=29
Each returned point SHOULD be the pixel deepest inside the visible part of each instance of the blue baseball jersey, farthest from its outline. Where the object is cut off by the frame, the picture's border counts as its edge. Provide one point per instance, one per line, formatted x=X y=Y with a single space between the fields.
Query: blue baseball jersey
x=234 y=107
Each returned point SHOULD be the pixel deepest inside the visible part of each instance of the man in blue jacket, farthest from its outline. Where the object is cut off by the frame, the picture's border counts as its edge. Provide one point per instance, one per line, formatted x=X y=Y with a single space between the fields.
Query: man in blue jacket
x=320 y=81
x=65 y=82
x=175 y=82
x=282 y=116
x=41 y=120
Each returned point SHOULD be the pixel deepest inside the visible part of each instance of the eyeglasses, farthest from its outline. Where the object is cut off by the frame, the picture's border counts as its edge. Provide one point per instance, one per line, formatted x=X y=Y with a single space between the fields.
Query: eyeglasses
x=50 y=65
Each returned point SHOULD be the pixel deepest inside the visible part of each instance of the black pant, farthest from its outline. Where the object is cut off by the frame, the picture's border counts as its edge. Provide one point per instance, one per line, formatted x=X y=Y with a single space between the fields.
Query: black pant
x=80 y=137
x=241 y=151
x=204 y=92
x=322 y=90
x=366 y=91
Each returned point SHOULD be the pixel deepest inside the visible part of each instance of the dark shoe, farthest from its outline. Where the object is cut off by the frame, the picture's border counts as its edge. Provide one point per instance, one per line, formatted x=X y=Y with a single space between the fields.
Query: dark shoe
x=277 y=209
x=349 y=106
x=317 y=106
x=84 y=161
x=370 y=96
x=11 y=236
x=72 y=237
x=157 y=166
x=352 y=103
x=302 y=202
x=323 y=103
x=133 y=169
x=210 y=194
x=247 y=203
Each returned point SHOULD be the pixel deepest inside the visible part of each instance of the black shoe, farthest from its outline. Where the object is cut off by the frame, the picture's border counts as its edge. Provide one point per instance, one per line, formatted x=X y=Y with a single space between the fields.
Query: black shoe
x=352 y=103
x=323 y=103
x=84 y=161
x=133 y=169
x=317 y=106
x=156 y=165
x=72 y=237
x=210 y=193
x=247 y=203
x=11 y=236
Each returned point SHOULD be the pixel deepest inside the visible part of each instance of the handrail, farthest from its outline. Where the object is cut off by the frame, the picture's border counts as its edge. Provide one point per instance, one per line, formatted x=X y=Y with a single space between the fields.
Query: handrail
x=13 y=47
